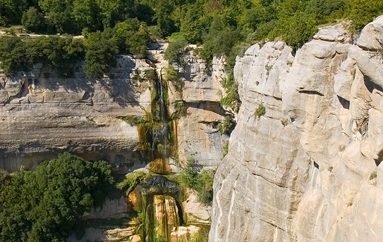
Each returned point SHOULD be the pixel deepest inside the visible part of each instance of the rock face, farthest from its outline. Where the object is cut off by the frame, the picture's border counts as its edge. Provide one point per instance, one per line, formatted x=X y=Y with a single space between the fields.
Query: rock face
x=200 y=91
x=309 y=167
x=42 y=115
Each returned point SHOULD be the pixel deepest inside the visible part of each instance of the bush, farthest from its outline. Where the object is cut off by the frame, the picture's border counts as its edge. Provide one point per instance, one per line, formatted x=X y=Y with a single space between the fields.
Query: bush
x=362 y=12
x=61 y=53
x=225 y=148
x=226 y=126
x=131 y=181
x=175 y=50
x=220 y=39
x=232 y=97
x=12 y=55
x=132 y=37
x=180 y=110
x=201 y=182
x=100 y=55
x=260 y=111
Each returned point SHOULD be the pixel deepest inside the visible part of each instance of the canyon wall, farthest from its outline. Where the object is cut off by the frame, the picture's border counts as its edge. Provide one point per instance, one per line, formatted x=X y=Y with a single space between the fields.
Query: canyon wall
x=304 y=161
x=42 y=114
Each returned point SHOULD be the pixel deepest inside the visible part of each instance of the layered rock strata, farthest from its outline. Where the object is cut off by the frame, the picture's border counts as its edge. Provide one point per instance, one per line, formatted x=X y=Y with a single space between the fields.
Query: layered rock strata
x=42 y=115
x=304 y=161
x=200 y=90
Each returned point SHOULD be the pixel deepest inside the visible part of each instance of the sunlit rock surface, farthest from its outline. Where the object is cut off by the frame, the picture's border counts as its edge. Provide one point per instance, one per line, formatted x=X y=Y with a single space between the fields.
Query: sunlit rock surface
x=42 y=115
x=309 y=168
x=201 y=91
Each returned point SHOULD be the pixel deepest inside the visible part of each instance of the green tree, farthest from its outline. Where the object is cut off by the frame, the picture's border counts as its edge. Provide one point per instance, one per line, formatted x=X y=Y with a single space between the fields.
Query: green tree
x=61 y=53
x=113 y=11
x=200 y=181
x=362 y=12
x=12 y=55
x=175 y=50
x=100 y=55
x=58 y=14
x=132 y=36
x=44 y=205
x=220 y=39
x=86 y=14
x=12 y=10
x=194 y=24
x=33 y=21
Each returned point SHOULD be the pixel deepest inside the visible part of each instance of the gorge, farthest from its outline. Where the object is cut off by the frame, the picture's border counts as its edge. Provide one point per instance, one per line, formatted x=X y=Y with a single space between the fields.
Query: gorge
x=304 y=160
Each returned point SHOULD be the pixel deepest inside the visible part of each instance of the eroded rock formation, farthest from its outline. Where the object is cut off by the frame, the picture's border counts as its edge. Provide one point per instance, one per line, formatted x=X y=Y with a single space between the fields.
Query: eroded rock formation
x=309 y=167
x=201 y=91
x=42 y=115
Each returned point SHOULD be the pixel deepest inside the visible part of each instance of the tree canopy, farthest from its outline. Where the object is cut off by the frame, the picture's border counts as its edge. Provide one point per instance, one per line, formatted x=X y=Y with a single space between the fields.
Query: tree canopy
x=219 y=25
x=43 y=205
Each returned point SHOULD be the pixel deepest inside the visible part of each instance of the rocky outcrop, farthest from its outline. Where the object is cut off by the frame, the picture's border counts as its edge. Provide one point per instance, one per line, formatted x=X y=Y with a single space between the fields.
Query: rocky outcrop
x=200 y=92
x=304 y=161
x=42 y=115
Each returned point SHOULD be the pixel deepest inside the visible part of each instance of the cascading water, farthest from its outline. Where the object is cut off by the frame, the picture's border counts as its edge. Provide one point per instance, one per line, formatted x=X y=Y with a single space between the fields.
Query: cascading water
x=157 y=198
x=160 y=130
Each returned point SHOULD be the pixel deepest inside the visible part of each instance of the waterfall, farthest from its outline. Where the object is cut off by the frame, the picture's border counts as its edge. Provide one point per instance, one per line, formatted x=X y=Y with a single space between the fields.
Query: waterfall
x=161 y=129
x=157 y=199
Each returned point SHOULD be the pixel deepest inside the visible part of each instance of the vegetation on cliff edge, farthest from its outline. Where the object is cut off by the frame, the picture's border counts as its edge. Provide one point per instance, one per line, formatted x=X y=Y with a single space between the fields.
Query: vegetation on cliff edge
x=111 y=27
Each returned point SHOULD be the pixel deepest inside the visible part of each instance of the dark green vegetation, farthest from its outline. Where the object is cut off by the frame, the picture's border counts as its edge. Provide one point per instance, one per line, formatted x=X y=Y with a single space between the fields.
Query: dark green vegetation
x=191 y=177
x=224 y=27
x=60 y=53
x=98 y=49
x=44 y=205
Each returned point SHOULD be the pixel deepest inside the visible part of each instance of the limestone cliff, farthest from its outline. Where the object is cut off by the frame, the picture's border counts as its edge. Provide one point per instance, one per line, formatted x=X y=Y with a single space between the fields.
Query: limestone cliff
x=304 y=161
x=42 y=115
x=200 y=91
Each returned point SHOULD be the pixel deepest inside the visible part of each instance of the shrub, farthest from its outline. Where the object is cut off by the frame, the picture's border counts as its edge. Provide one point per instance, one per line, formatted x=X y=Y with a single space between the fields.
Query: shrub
x=33 y=21
x=175 y=50
x=180 y=110
x=100 y=55
x=151 y=74
x=131 y=181
x=226 y=126
x=373 y=175
x=284 y=122
x=225 y=148
x=12 y=55
x=260 y=111
x=232 y=97
x=201 y=182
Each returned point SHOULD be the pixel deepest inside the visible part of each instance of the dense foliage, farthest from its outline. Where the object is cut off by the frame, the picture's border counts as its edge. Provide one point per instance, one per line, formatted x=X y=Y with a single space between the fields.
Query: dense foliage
x=110 y=27
x=211 y=21
x=60 y=53
x=43 y=205
x=98 y=49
